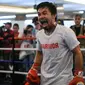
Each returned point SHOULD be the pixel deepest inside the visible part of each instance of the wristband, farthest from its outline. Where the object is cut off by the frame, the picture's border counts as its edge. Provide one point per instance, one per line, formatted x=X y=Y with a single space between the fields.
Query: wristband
x=35 y=66
x=78 y=73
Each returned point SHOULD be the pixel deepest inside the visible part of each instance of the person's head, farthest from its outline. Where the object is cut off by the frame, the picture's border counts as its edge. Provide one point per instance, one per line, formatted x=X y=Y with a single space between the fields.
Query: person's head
x=28 y=29
x=8 y=25
x=36 y=22
x=77 y=19
x=15 y=27
x=47 y=14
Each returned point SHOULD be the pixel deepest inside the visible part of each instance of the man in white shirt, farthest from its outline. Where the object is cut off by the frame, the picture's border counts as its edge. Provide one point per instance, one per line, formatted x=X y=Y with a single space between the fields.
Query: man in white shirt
x=56 y=45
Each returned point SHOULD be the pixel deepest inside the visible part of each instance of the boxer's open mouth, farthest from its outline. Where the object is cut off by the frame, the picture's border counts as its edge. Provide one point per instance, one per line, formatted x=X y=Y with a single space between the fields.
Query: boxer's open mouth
x=44 y=21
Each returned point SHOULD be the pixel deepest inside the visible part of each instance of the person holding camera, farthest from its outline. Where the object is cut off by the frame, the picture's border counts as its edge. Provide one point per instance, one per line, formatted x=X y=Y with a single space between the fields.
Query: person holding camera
x=28 y=55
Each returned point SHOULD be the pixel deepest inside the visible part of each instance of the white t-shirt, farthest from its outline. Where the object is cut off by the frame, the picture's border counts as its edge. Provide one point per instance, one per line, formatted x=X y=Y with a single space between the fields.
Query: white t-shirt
x=24 y=53
x=56 y=67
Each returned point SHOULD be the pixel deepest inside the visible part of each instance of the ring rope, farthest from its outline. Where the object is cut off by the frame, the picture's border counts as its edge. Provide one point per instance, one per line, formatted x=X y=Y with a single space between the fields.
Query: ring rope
x=22 y=73
x=10 y=61
x=16 y=72
x=18 y=48
x=18 y=38
x=32 y=37
x=82 y=49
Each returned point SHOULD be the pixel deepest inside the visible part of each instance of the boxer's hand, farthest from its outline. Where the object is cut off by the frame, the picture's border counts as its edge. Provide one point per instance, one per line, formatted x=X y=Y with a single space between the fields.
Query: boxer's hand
x=77 y=81
x=32 y=77
x=78 y=78
x=26 y=83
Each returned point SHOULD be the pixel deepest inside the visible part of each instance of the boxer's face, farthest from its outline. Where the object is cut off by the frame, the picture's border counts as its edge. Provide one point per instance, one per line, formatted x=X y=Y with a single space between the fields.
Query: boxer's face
x=46 y=18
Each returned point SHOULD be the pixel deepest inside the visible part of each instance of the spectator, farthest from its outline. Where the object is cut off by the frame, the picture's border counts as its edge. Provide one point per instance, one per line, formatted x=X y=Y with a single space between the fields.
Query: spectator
x=17 y=44
x=36 y=22
x=16 y=29
x=7 y=33
x=16 y=34
x=78 y=28
x=27 y=56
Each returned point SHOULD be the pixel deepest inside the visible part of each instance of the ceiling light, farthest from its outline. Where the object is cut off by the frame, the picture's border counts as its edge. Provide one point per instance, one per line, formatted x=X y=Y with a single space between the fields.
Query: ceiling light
x=78 y=12
x=8 y=17
x=11 y=9
x=31 y=15
x=81 y=12
x=60 y=8
x=76 y=1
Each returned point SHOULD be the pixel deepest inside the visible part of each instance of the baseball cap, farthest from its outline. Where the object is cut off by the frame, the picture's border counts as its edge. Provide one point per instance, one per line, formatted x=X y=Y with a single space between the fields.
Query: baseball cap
x=9 y=23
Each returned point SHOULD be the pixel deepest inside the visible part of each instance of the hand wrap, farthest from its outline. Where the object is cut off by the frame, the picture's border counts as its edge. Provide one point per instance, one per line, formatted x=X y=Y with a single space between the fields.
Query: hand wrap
x=78 y=78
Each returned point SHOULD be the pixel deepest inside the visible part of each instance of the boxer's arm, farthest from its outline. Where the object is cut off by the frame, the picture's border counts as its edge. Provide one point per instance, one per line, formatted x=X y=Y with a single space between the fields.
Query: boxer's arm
x=32 y=76
x=78 y=58
x=37 y=60
x=78 y=76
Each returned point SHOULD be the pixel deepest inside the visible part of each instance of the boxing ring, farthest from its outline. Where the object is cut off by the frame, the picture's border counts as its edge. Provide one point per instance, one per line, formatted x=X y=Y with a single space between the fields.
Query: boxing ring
x=13 y=49
x=26 y=49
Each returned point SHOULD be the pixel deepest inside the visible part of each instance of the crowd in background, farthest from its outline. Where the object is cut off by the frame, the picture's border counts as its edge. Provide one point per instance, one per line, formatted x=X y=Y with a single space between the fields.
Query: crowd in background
x=29 y=31
x=25 y=57
x=22 y=59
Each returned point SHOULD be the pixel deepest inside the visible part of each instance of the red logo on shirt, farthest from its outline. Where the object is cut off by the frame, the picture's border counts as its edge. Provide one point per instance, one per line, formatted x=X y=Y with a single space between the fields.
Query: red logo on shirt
x=50 y=46
x=26 y=46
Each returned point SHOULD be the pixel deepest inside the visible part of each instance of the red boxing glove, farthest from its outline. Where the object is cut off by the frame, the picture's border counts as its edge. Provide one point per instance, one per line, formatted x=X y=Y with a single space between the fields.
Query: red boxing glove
x=78 y=79
x=26 y=83
x=32 y=77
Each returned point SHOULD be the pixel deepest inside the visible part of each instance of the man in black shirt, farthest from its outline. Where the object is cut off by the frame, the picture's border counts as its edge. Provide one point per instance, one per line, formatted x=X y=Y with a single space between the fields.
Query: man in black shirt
x=78 y=28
